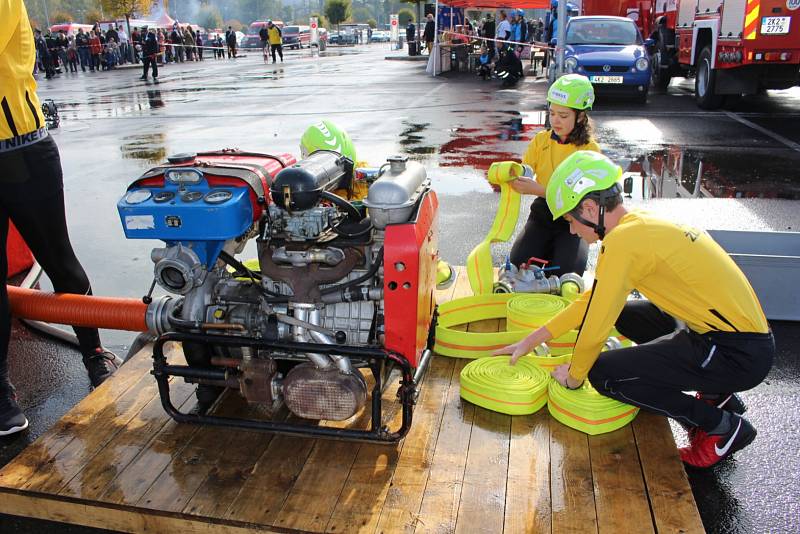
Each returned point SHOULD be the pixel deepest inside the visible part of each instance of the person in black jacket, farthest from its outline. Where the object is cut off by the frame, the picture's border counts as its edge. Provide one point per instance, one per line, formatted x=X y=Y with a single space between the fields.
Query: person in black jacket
x=149 y=55
x=429 y=33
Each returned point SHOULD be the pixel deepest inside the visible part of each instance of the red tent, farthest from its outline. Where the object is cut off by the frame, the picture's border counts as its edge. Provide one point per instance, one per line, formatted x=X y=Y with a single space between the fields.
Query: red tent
x=498 y=4
x=164 y=20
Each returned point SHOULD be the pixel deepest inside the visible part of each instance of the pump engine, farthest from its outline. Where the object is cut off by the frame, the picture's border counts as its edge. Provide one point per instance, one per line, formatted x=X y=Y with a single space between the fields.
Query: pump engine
x=340 y=288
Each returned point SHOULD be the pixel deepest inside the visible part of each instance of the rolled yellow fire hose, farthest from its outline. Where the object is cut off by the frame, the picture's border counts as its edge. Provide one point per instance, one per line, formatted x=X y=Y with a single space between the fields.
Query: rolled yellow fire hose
x=587 y=410
x=524 y=385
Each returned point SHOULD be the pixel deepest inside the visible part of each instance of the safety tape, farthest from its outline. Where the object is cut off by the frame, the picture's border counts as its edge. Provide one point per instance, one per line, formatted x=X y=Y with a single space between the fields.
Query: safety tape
x=523 y=391
x=536 y=44
x=587 y=410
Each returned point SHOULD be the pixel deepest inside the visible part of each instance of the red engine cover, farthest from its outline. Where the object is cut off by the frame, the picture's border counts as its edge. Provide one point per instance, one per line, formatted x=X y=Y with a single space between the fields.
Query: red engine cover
x=410 y=253
x=261 y=167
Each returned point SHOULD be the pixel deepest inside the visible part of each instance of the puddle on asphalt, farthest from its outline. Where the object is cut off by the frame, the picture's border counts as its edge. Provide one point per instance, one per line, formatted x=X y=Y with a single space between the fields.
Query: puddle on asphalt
x=147 y=147
x=471 y=146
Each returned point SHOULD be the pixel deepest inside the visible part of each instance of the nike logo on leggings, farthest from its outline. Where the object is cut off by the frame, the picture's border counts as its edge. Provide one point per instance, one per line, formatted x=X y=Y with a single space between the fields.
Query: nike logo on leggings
x=724 y=450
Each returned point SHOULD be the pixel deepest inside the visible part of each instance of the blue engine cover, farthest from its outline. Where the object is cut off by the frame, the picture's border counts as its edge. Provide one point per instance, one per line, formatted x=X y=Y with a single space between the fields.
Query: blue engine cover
x=195 y=215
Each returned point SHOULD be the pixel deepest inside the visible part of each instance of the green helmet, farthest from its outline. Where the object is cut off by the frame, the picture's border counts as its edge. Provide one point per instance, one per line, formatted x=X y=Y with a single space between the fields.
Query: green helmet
x=573 y=91
x=582 y=173
x=325 y=135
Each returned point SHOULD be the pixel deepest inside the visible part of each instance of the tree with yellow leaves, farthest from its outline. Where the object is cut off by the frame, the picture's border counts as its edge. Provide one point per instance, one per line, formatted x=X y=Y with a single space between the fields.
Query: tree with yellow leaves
x=127 y=9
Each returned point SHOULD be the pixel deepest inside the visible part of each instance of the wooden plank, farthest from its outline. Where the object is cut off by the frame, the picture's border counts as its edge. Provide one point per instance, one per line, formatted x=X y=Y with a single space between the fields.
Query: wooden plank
x=116 y=518
x=671 y=501
x=528 y=493
x=441 y=492
x=263 y=493
x=325 y=473
x=483 y=494
x=164 y=451
x=232 y=467
x=119 y=452
x=177 y=484
x=91 y=438
x=620 y=496
x=571 y=490
x=40 y=454
x=361 y=500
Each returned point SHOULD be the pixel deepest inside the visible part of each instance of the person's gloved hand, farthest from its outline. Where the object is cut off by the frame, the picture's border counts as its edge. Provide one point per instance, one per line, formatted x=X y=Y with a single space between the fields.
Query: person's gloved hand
x=501 y=172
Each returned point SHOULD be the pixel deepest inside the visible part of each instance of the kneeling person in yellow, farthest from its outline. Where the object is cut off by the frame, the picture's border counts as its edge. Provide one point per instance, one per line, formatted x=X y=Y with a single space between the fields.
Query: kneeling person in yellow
x=570 y=99
x=728 y=346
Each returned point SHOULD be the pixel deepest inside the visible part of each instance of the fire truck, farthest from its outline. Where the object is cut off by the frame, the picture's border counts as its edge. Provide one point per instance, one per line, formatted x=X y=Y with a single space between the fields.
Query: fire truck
x=731 y=47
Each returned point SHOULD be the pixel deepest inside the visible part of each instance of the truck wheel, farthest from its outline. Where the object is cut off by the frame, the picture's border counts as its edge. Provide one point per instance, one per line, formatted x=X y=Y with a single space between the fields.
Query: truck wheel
x=661 y=75
x=705 y=82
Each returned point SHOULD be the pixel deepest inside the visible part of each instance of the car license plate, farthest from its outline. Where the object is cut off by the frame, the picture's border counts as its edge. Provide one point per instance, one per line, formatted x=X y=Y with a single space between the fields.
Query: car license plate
x=606 y=79
x=775 y=25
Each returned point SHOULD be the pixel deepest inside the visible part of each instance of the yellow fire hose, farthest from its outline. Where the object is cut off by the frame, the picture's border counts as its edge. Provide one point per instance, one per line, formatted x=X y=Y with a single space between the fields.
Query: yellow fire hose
x=587 y=410
x=527 y=386
x=479 y=262
x=524 y=388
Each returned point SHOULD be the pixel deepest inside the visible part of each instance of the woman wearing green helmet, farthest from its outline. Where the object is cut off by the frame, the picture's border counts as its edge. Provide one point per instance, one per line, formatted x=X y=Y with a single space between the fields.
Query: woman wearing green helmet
x=325 y=135
x=570 y=99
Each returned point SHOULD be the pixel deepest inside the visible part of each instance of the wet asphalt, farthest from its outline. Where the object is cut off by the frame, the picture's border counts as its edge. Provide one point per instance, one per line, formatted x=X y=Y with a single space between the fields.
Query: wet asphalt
x=735 y=168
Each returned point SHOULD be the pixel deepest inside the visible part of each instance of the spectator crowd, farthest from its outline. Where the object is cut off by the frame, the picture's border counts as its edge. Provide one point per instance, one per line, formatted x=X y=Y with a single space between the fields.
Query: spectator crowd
x=98 y=50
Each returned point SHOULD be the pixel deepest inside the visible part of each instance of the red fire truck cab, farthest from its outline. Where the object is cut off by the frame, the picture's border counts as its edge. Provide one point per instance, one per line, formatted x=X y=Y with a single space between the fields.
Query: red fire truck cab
x=732 y=47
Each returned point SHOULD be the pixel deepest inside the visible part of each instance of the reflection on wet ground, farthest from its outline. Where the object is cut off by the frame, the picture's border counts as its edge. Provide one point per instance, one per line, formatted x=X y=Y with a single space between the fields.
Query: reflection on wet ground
x=667 y=172
x=675 y=172
x=148 y=147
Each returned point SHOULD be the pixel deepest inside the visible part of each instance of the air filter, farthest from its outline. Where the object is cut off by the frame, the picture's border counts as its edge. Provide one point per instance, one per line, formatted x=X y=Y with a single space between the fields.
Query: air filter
x=314 y=393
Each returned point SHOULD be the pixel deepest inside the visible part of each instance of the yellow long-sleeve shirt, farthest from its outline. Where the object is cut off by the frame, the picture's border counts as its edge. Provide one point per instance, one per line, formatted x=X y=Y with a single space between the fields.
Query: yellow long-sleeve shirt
x=274 y=36
x=544 y=154
x=20 y=110
x=681 y=270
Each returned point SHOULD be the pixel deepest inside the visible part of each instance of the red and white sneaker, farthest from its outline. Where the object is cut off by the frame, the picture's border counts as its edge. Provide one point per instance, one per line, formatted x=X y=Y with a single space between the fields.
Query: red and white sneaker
x=706 y=450
x=730 y=402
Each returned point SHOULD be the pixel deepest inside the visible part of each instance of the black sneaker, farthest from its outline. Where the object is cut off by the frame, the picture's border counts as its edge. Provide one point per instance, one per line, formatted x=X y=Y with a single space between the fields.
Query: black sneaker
x=101 y=364
x=12 y=420
x=730 y=402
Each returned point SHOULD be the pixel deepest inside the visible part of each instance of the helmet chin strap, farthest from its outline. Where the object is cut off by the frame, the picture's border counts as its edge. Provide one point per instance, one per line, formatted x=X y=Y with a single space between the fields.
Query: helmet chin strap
x=599 y=228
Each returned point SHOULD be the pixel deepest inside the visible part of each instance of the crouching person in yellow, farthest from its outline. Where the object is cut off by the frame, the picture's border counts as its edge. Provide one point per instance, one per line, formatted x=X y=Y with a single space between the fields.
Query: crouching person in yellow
x=685 y=275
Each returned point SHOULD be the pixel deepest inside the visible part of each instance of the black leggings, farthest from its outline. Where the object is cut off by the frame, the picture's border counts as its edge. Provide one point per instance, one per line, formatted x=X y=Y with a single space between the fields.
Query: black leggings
x=654 y=374
x=278 y=48
x=32 y=196
x=549 y=240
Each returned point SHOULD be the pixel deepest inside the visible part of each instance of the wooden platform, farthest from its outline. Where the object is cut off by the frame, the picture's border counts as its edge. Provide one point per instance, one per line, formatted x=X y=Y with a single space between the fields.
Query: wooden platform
x=116 y=461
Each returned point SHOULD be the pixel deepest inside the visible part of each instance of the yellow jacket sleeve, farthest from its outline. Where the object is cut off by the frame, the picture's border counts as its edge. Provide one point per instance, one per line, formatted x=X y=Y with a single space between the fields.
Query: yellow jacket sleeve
x=569 y=318
x=10 y=12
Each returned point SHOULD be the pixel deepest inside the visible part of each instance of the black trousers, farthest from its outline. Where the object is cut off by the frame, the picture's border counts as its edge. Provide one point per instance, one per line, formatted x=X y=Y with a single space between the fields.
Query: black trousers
x=549 y=240
x=654 y=374
x=148 y=61
x=32 y=196
x=276 y=48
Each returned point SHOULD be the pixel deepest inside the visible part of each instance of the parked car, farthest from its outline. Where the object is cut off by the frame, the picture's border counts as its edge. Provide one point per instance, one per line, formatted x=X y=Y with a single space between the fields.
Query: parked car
x=296 y=36
x=610 y=51
x=380 y=36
